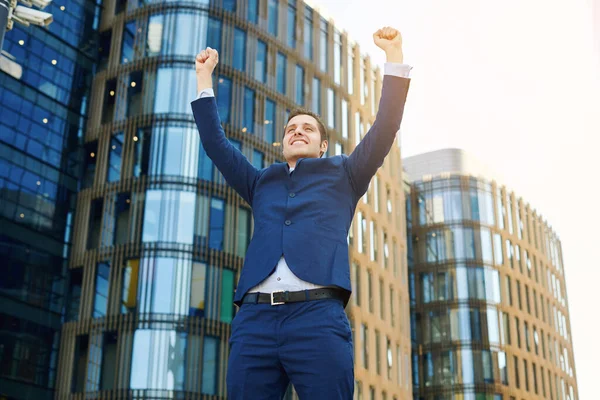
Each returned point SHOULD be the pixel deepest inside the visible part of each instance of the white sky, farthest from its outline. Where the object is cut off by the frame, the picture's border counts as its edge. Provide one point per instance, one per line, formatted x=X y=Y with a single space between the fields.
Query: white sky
x=516 y=83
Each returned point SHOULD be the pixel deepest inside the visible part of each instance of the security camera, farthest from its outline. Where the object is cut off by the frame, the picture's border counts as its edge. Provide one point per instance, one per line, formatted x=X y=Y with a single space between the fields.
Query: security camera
x=41 y=4
x=28 y=16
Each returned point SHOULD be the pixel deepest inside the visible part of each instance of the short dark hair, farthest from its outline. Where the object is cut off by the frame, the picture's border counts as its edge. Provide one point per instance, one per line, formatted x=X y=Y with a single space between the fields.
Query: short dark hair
x=303 y=111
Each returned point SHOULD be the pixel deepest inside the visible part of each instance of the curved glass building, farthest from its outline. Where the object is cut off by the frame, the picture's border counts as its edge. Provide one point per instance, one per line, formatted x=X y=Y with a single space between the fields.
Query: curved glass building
x=158 y=236
x=489 y=311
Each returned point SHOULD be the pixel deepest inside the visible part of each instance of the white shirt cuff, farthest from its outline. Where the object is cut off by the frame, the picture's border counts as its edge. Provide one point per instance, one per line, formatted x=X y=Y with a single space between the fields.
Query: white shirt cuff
x=396 y=69
x=209 y=92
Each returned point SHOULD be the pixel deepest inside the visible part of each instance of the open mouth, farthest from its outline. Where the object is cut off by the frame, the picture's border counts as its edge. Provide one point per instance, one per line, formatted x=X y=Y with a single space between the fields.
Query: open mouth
x=302 y=141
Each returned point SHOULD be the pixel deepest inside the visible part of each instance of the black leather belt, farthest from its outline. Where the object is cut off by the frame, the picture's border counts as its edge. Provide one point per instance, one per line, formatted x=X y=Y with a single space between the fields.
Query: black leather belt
x=282 y=297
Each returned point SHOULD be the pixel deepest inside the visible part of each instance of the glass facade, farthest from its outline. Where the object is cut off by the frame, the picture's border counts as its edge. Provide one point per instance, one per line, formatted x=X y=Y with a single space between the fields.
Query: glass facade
x=42 y=121
x=471 y=310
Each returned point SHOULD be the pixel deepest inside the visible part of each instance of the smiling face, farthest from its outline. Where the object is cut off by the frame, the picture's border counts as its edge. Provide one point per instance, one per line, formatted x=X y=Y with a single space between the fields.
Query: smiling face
x=302 y=139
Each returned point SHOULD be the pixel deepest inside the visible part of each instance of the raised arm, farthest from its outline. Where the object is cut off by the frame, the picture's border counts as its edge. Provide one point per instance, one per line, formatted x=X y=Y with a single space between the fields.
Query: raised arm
x=239 y=173
x=369 y=154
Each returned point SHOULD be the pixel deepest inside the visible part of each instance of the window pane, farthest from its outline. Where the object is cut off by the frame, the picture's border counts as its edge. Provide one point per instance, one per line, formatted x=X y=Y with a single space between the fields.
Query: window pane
x=258 y=159
x=273 y=17
x=299 y=85
x=316 y=96
x=164 y=286
x=260 y=64
x=210 y=365
x=169 y=217
x=269 y=122
x=239 y=49
x=158 y=360
x=248 y=123
x=224 y=98
x=308 y=32
x=217 y=224
x=253 y=11
x=213 y=38
x=323 y=43
x=175 y=89
x=169 y=151
x=114 y=157
x=281 y=72
x=127 y=51
x=291 y=24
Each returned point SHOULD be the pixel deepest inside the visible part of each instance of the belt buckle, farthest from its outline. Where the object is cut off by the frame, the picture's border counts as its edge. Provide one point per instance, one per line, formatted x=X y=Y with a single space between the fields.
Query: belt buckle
x=273 y=302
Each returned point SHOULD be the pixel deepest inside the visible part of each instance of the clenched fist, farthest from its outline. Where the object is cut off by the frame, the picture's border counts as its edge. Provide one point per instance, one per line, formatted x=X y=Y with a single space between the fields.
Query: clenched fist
x=206 y=61
x=389 y=40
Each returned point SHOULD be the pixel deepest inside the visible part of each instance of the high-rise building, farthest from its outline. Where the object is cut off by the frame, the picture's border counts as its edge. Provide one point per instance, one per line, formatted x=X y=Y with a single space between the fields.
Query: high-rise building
x=44 y=92
x=489 y=309
x=158 y=238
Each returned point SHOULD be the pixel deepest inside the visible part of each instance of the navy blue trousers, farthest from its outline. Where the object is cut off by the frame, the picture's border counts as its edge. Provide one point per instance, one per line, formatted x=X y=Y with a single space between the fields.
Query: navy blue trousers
x=307 y=343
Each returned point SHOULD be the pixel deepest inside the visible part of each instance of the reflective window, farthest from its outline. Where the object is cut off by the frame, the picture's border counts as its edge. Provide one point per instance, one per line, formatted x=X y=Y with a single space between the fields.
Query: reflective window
x=90 y=153
x=166 y=33
x=175 y=89
x=269 y=122
x=127 y=50
x=364 y=337
x=158 y=359
x=134 y=94
x=316 y=95
x=370 y=290
x=242 y=231
x=114 y=157
x=374 y=240
x=121 y=218
x=169 y=151
x=345 y=117
x=73 y=299
x=273 y=11
x=260 y=64
x=356 y=284
x=258 y=159
x=108 y=108
x=213 y=38
x=308 y=32
x=291 y=24
x=224 y=98
x=229 y=5
x=210 y=365
x=95 y=223
x=281 y=72
x=141 y=152
x=337 y=57
x=299 y=85
x=101 y=291
x=217 y=224
x=129 y=286
x=211 y=293
x=248 y=123
x=169 y=217
x=253 y=11
x=350 y=70
x=362 y=233
x=239 y=49
x=323 y=43
x=330 y=108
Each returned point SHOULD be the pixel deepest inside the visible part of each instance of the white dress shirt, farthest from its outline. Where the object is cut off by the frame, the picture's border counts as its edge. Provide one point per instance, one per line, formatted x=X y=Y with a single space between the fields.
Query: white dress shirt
x=283 y=278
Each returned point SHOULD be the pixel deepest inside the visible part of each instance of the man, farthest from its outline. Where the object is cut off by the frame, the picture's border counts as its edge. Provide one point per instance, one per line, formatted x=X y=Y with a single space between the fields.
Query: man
x=291 y=325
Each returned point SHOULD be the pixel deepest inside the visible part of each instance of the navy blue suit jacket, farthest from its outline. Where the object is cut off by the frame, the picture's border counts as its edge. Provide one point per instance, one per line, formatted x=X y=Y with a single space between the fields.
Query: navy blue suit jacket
x=304 y=216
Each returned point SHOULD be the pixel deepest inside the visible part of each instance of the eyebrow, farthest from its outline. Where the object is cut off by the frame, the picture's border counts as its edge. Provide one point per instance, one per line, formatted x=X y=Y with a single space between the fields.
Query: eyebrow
x=294 y=125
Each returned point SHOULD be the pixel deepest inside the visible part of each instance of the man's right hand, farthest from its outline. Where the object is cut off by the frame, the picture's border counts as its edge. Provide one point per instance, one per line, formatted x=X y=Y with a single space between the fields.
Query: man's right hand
x=206 y=61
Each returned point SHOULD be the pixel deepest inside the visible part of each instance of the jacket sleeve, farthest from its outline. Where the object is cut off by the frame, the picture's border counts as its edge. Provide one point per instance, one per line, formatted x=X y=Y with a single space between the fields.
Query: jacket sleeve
x=239 y=173
x=369 y=154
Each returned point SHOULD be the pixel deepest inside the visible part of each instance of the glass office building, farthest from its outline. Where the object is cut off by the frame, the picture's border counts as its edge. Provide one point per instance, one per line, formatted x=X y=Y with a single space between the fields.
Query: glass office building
x=42 y=120
x=159 y=238
x=489 y=311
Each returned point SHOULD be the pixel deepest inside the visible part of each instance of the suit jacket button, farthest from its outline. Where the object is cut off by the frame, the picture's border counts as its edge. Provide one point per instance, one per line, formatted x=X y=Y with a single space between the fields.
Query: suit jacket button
x=288 y=222
x=292 y=194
